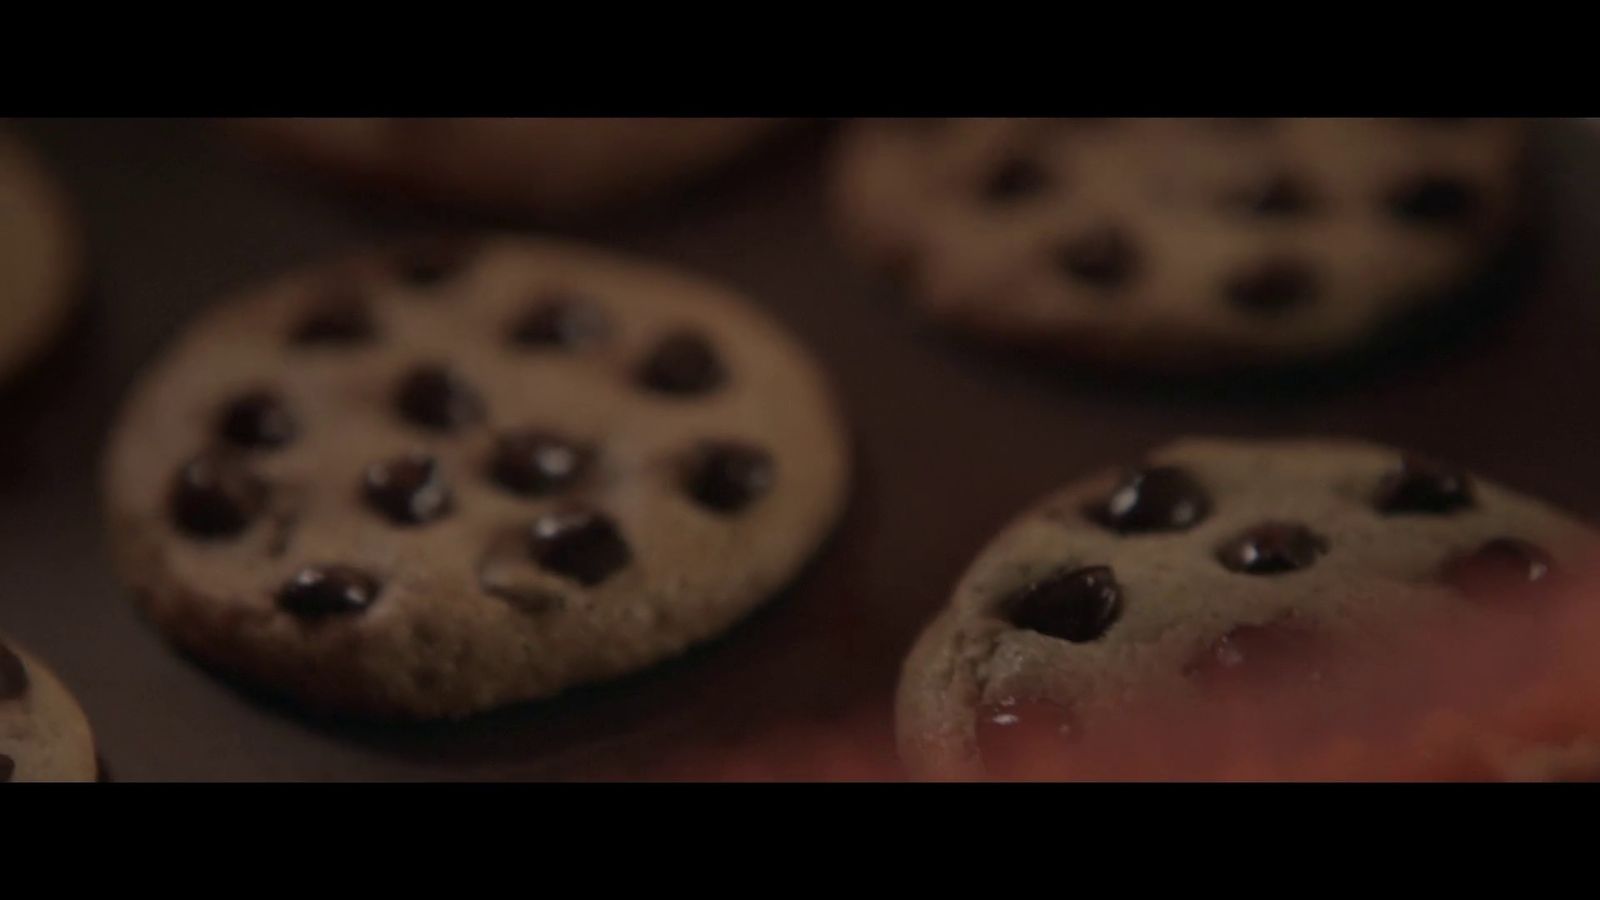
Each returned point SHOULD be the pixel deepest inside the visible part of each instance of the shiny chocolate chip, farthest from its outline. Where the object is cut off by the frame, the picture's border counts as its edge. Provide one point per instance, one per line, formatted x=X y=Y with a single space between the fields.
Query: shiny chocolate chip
x=13 y=675
x=534 y=462
x=561 y=322
x=1272 y=287
x=1272 y=548
x=408 y=490
x=215 y=495
x=258 y=419
x=727 y=476
x=683 y=363
x=1016 y=178
x=581 y=545
x=318 y=591
x=1079 y=605
x=1501 y=567
x=1433 y=200
x=1103 y=258
x=438 y=399
x=1160 y=498
x=1423 y=486
x=338 y=319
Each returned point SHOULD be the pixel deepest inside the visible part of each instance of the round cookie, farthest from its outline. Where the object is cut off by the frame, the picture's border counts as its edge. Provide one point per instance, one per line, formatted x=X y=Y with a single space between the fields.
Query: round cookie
x=1179 y=243
x=43 y=734
x=552 y=165
x=433 y=482
x=39 y=257
x=1209 y=555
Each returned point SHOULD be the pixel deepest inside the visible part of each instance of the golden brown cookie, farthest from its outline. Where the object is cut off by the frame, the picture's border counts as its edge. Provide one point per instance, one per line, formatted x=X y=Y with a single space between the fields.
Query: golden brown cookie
x=40 y=258
x=43 y=733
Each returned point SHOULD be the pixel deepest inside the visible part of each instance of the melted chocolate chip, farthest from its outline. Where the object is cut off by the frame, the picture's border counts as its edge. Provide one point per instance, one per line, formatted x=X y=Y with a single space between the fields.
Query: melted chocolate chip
x=561 y=322
x=13 y=675
x=216 y=496
x=429 y=263
x=1424 y=486
x=1104 y=258
x=1017 y=178
x=257 y=419
x=1161 y=498
x=318 y=591
x=682 y=363
x=409 y=490
x=1434 y=200
x=1281 y=195
x=535 y=463
x=436 y=398
x=339 y=319
x=727 y=477
x=1272 y=287
x=1078 y=605
x=1501 y=567
x=1272 y=548
x=1023 y=738
x=8 y=767
x=581 y=545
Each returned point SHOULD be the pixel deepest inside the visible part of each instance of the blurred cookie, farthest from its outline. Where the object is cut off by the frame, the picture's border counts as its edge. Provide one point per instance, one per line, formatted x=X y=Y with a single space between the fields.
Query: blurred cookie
x=550 y=165
x=39 y=256
x=1211 y=560
x=1179 y=243
x=433 y=482
x=43 y=734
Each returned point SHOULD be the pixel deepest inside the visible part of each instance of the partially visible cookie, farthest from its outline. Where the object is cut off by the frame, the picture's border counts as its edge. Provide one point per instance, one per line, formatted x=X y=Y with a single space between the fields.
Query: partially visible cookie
x=43 y=733
x=39 y=256
x=1179 y=243
x=1208 y=559
x=550 y=165
x=461 y=475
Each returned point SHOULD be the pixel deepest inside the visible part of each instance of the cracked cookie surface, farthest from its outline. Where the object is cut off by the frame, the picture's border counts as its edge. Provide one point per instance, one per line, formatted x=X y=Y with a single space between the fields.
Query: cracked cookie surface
x=466 y=474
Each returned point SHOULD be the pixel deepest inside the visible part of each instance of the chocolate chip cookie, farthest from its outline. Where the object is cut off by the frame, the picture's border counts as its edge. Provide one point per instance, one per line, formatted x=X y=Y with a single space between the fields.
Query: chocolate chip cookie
x=548 y=165
x=465 y=474
x=39 y=256
x=1206 y=559
x=1179 y=243
x=43 y=734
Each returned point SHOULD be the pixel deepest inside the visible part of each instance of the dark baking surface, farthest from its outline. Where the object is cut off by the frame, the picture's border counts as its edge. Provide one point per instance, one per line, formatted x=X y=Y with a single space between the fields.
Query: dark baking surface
x=951 y=442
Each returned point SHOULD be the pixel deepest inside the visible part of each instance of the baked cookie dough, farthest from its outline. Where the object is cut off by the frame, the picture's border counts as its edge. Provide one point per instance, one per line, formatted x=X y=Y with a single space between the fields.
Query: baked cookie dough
x=39 y=257
x=43 y=733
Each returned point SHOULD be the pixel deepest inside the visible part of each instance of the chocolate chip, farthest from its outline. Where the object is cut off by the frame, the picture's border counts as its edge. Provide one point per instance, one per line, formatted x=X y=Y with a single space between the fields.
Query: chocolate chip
x=257 y=419
x=535 y=462
x=1272 y=287
x=1016 y=178
x=1161 y=498
x=13 y=675
x=318 y=591
x=409 y=490
x=1501 y=567
x=8 y=767
x=1023 y=739
x=581 y=545
x=1078 y=605
x=432 y=262
x=1259 y=655
x=727 y=477
x=1104 y=258
x=1434 y=200
x=342 y=318
x=1424 y=486
x=1281 y=195
x=1272 y=548
x=216 y=496
x=436 y=398
x=561 y=322
x=682 y=363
